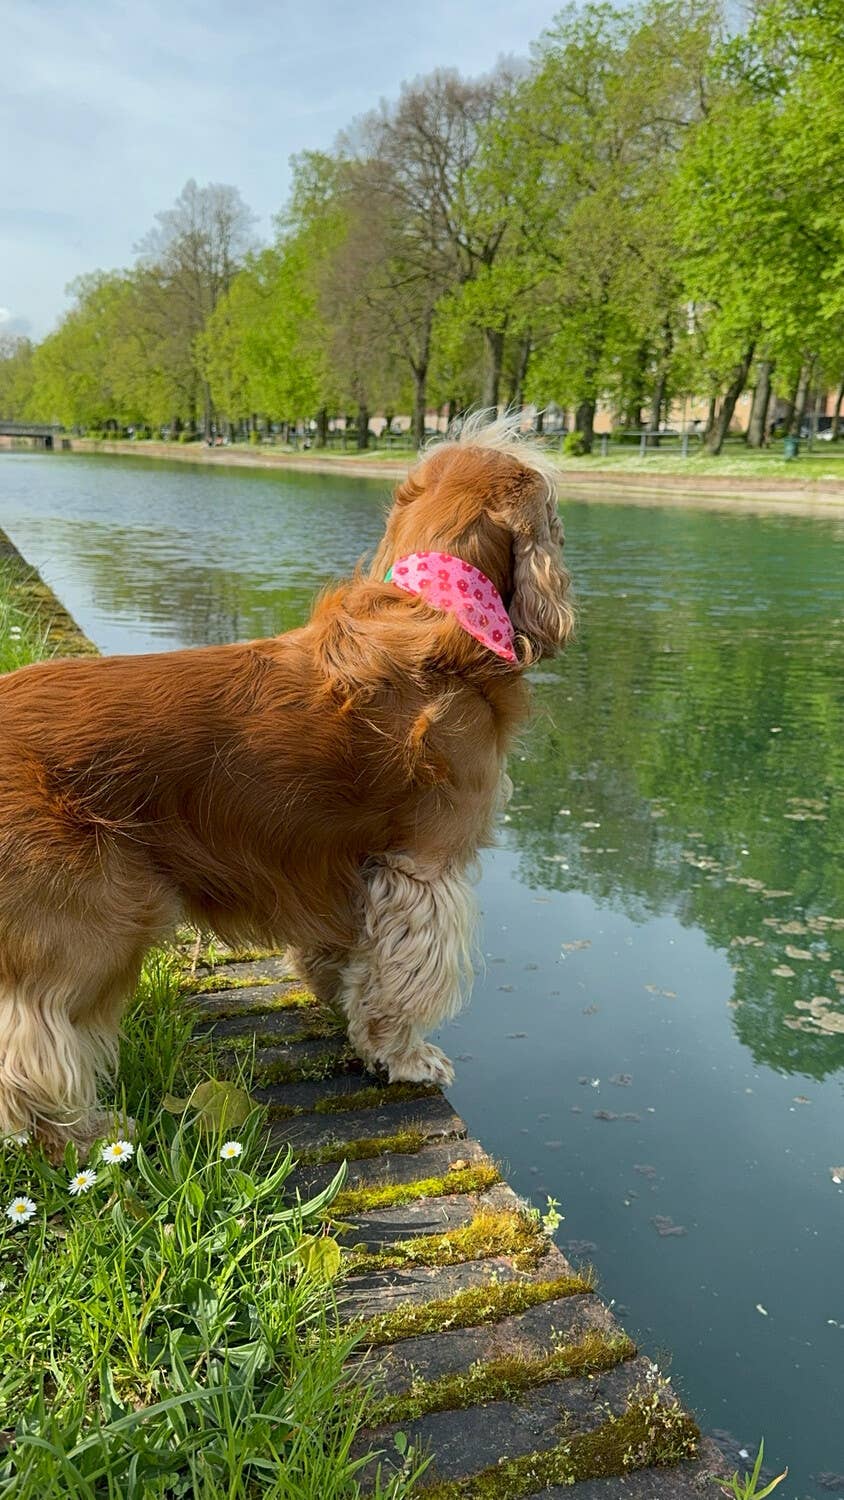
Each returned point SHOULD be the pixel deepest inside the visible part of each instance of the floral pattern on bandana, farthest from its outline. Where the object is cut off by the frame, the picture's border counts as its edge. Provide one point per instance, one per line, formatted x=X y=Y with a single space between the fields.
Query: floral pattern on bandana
x=448 y=583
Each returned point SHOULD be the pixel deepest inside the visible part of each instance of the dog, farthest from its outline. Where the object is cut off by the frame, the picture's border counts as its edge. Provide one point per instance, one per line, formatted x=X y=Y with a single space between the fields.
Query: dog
x=328 y=789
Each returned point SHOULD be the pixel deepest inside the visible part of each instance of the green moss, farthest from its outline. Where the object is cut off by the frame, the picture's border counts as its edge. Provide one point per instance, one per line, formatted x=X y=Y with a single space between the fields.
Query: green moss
x=505 y=1378
x=405 y=1142
x=467 y=1309
x=310 y=1070
x=648 y=1433
x=210 y=984
x=374 y=1097
x=491 y=1232
x=317 y=1031
x=388 y=1194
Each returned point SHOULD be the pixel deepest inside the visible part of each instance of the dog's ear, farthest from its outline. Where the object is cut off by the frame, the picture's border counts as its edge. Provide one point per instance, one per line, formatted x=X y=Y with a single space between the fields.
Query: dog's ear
x=539 y=607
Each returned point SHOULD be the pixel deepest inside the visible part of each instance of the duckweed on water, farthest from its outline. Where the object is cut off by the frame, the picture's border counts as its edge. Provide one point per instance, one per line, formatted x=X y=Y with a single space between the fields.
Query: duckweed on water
x=491 y=1232
x=467 y=1309
x=505 y=1378
x=389 y=1194
x=649 y=1433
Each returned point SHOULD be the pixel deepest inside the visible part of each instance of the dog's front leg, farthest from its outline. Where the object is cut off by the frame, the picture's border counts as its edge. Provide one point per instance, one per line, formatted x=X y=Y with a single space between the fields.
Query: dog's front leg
x=411 y=967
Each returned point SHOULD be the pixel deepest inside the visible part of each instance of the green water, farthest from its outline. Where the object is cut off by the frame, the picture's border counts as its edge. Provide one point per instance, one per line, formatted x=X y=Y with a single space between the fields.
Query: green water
x=667 y=900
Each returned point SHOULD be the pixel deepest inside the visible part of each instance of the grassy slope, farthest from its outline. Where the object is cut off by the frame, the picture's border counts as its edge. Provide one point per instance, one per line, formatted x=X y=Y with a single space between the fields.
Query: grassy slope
x=165 y=1332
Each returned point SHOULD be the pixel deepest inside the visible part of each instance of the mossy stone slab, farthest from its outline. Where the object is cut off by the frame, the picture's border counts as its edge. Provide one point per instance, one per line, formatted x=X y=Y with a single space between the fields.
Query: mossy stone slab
x=465 y=1442
x=533 y=1333
x=685 y=1481
x=434 y=1118
x=431 y=1161
x=382 y=1291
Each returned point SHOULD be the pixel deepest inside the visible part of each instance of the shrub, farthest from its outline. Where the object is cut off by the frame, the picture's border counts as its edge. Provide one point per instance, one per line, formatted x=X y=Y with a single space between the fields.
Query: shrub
x=574 y=445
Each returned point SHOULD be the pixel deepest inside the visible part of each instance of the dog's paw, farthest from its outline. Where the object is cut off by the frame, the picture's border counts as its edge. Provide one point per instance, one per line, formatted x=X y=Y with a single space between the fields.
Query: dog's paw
x=423 y=1063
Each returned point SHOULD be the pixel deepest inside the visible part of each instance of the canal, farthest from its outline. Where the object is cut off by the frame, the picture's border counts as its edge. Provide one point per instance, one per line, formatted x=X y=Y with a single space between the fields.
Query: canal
x=656 y=1038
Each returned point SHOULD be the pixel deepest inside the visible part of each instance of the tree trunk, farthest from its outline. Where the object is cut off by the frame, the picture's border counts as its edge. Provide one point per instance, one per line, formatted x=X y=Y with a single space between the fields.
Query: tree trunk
x=656 y=402
x=757 y=427
x=420 y=381
x=584 y=422
x=516 y=397
x=801 y=398
x=658 y=396
x=710 y=418
x=540 y=421
x=836 y=415
x=720 y=426
x=322 y=427
x=363 y=425
x=494 y=348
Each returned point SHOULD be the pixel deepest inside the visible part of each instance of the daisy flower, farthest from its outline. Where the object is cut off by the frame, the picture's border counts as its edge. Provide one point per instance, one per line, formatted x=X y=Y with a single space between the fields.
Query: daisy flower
x=82 y=1182
x=230 y=1149
x=20 y=1209
x=17 y=1138
x=118 y=1151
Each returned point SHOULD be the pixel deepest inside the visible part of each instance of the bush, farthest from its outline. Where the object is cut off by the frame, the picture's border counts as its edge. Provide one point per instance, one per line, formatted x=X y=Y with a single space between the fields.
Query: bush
x=574 y=445
x=254 y=436
x=187 y=437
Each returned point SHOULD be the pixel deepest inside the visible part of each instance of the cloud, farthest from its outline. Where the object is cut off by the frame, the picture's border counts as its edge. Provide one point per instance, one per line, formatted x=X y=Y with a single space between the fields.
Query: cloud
x=106 y=111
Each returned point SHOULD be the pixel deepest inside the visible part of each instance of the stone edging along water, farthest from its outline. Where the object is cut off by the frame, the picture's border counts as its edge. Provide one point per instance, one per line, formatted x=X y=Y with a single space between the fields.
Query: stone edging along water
x=754 y=495
x=482 y=1344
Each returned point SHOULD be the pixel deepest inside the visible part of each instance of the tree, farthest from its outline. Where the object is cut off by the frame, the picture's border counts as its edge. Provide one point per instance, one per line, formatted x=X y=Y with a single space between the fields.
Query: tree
x=188 y=262
x=584 y=151
x=16 y=376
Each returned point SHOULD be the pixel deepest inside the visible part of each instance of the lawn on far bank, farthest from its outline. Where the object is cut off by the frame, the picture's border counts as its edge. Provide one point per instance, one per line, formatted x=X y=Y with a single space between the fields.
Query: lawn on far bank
x=822 y=464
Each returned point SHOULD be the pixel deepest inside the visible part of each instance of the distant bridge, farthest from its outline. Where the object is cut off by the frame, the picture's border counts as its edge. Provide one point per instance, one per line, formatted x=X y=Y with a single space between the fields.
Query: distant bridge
x=42 y=434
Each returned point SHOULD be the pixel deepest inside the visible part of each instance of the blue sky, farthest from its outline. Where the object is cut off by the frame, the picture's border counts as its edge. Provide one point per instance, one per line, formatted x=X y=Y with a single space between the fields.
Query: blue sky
x=107 y=108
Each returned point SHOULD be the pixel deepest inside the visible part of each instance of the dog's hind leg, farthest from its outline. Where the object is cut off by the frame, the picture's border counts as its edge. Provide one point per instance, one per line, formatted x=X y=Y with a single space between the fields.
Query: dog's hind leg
x=410 y=968
x=65 y=974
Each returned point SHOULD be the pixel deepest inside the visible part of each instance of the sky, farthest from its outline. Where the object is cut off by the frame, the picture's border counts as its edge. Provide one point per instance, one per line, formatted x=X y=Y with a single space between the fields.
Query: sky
x=106 y=109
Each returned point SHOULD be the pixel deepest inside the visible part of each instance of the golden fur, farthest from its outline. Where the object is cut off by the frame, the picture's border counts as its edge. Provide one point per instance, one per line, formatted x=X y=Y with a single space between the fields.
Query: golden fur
x=329 y=788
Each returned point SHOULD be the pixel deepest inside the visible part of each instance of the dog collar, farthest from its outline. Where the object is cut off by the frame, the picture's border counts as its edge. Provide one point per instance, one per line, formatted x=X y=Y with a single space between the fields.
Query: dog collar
x=458 y=588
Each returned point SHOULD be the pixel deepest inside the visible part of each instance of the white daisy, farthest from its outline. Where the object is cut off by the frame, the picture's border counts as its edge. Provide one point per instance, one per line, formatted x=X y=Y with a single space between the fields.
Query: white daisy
x=230 y=1149
x=118 y=1151
x=20 y=1210
x=17 y=1138
x=82 y=1182
x=15 y=632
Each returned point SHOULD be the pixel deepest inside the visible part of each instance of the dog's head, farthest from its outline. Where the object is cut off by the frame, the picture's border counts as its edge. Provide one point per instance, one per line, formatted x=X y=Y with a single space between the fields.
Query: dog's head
x=490 y=498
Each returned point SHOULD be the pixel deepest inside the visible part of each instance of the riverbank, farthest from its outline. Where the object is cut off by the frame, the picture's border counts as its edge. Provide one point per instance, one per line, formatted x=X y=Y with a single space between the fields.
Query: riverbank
x=42 y=617
x=733 y=485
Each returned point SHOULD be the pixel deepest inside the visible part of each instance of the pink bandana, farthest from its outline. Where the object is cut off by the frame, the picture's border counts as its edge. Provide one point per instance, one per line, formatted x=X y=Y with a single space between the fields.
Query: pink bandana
x=462 y=590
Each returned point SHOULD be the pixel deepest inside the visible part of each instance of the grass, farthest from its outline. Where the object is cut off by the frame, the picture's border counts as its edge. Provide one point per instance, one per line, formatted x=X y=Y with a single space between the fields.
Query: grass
x=468 y=1309
x=171 y=1330
x=161 y=1335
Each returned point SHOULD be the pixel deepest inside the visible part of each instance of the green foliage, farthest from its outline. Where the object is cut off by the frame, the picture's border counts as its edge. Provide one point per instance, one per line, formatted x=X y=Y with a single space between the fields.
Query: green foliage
x=634 y=218
x=748 y=1488
x=574 y=445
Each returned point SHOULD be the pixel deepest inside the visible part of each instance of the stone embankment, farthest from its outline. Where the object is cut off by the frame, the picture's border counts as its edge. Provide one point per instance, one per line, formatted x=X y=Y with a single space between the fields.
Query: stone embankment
x=482 y=1344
